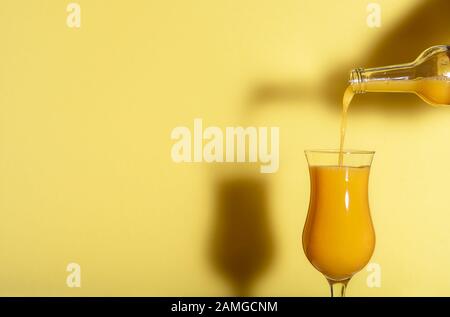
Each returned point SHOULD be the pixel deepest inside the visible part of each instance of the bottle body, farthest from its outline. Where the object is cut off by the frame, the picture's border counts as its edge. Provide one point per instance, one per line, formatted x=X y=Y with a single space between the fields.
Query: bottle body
x=428 y=77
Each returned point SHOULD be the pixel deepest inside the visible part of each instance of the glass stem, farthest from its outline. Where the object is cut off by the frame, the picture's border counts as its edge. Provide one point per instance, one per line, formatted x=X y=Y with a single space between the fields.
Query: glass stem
x=338 y=288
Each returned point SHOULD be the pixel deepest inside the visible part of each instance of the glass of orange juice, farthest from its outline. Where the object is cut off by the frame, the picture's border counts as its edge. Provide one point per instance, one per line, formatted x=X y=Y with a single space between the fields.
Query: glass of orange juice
x=338 y=236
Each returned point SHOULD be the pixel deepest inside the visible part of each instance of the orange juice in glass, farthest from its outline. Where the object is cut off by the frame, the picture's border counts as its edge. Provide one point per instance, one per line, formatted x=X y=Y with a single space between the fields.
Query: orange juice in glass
x=338 y=236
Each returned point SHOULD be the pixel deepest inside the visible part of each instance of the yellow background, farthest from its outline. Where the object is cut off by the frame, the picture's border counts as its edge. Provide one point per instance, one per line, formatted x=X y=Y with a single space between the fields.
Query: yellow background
x=85 y=166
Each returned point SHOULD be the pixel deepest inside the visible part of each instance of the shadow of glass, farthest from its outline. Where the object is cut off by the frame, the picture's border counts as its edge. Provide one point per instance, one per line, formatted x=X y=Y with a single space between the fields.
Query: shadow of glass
x=241 y=247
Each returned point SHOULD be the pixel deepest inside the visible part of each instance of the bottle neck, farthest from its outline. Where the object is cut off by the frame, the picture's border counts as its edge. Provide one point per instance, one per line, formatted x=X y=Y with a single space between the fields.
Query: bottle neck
x=382 y=79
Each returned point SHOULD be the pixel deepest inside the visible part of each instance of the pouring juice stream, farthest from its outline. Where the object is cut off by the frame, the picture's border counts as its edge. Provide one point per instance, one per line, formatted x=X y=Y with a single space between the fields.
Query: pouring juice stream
x=346 y=100
x=428 y=77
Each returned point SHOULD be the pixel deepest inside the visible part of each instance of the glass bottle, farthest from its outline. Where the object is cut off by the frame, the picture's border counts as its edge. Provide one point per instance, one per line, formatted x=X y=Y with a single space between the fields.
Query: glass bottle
x=428 y=77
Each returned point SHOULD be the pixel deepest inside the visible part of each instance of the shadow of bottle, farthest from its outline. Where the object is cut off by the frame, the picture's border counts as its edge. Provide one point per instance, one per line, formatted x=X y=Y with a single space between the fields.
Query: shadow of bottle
x=424 y=26
x=241 y=247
